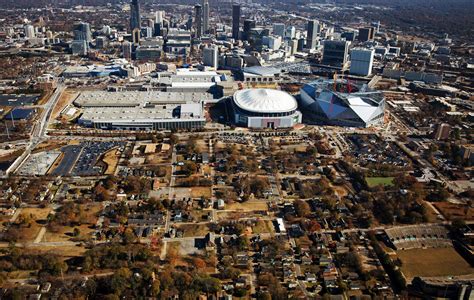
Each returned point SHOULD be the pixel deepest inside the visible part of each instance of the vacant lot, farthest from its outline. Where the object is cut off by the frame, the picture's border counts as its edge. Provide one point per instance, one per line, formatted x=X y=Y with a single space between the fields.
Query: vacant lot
x=198 y=192
x=374 y=181
x=263 y=226
x=248 y=206
x=65 y=99
x=111 y=159
x=194 y=230
x=33 y=219
x=65 y=233
x=433 y=262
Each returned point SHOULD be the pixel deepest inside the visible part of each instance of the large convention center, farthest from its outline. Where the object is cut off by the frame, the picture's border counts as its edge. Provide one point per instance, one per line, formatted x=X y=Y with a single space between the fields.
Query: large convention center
x=342 y=103
x=134 y=110
x=265 y=108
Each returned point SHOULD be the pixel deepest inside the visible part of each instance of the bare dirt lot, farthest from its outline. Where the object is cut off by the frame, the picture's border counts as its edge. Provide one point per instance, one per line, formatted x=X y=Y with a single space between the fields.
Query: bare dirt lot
x=66 y=98
x=248 y=206
x=111 y=159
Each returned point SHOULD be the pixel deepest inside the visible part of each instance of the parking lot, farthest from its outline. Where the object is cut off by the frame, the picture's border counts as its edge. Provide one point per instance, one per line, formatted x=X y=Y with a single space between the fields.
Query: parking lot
x=86 y=164
x=82 y=159
x=18 y=100
x=70 y=155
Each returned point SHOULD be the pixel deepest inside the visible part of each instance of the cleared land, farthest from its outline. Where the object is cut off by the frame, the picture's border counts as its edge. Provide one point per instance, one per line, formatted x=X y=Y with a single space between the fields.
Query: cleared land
x=111 y=159
x=248 y=206
x=263 y=226
x=192 y=230
x=374 y=181
x=433 y=262
x=65 y=99
x=198 y=192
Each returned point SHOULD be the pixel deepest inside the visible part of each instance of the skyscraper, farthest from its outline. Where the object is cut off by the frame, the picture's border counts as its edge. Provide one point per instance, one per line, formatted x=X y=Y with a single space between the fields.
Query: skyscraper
x=335 y=53
x=279 y=29
x=248 y=25
x=198 y=20
x=362 y=61
x=210 y=57
x=366 y=34
x=82 y=32
x=205 y=16
x=127 y=50
x=312 y=37
x=135 y=19
x=235 y=21
x=79 y=47
x=290 y=32
x=159 y=16
x=30 y=31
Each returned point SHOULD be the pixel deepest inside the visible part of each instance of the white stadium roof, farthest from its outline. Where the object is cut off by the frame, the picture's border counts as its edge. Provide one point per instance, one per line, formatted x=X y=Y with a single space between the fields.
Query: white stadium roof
x=265 y=101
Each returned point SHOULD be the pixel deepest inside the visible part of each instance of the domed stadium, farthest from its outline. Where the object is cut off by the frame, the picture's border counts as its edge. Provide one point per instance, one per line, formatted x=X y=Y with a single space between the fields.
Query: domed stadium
x=341 y=103
x=265 y=108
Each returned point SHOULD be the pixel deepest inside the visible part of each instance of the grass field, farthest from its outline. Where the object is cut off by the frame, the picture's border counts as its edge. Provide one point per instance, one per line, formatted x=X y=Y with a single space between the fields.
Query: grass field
x=65 y=233
x=374 y=181
x=433 y=262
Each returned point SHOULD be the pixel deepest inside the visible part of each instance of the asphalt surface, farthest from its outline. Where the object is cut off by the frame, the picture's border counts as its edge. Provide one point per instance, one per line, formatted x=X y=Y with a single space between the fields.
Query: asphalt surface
x=71 y=153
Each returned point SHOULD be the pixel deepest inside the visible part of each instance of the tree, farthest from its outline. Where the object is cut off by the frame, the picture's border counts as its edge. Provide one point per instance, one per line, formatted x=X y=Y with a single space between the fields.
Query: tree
x=120 y=281
x=76 y=232
x=199 y=263
x=302 y=208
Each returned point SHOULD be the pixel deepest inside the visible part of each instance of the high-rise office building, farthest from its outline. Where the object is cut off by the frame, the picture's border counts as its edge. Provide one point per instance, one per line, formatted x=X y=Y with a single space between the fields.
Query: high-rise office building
x=256 y=36
x=106 y=30
x=290 y=32
x=146 y=32
x=279 y=29
x=205 y=16
x=159 y=17
x=300 y=44
x=79 y=47
x=335 y=53
x=248 y=25
x=362 y=61
x=376 y=26
x=82 y=32
x=136 y=34
x=135 y=19
x=127 y=50
x=366 y=34
x=210 y=57
x=312 y=36
x=235 y=21
x=30 y=31
x=101 y=42
x=198 y=20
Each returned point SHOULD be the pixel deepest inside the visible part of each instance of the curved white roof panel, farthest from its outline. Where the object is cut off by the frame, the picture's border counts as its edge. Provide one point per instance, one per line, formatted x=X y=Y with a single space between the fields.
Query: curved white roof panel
x=265 y=101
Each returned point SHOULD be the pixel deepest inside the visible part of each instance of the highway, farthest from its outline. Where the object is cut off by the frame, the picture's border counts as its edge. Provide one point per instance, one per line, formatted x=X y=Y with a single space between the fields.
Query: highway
x=39 y=129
